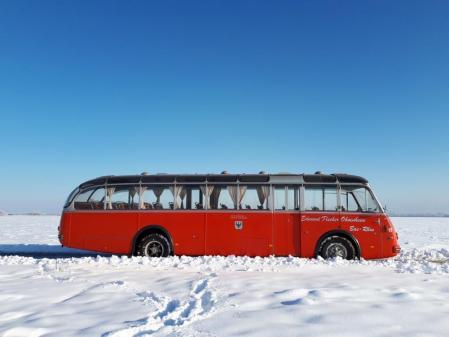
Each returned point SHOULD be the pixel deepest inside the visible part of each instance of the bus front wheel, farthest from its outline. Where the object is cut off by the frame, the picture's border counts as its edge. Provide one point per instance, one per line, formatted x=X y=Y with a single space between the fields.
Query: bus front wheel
x=337 y=246
x=153 y=245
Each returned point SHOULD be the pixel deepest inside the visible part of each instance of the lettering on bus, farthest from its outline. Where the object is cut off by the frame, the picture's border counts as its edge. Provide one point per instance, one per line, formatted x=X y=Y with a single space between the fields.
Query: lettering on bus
x=238 y=217
x=363 y=229
x=352 y=219
x=325 y=218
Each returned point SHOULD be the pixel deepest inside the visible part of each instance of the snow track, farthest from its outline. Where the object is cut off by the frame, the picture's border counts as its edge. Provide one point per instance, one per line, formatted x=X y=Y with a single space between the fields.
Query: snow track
x=172 y=312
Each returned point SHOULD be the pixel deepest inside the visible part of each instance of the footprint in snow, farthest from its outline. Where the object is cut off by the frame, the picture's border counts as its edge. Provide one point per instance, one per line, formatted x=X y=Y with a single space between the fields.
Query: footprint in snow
x=171 y=313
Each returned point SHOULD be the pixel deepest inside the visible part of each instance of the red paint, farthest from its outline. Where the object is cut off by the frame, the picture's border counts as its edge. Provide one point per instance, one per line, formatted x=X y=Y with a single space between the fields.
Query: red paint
x=263 y=233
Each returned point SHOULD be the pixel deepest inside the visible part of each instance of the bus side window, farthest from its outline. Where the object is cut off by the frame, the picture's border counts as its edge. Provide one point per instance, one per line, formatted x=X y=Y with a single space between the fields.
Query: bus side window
x=223 y=197
x=320 y=198
x=330 y=199
x=313 y=198
x=279 y=198
x=348 y=203
x=122 y=197
x=91 y=199
x=157 y=197
x=293 y=198
x=97 y=198
x=195 y=198
x=254 y=197
x=189 y=196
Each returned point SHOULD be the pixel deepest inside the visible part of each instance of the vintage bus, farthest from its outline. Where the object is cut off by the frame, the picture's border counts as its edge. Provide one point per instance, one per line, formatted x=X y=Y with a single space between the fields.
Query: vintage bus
x=157 y=215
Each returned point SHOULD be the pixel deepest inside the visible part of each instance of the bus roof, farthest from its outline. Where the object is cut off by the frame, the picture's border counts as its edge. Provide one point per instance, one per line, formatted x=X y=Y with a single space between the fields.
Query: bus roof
x=285 y=178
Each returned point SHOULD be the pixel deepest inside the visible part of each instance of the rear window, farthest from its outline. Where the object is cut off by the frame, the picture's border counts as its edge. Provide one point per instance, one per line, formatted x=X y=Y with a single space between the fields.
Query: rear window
x=90 y=199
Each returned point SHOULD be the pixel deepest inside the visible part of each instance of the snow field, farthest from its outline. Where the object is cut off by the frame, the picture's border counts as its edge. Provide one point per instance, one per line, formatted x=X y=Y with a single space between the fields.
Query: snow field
x=49 y=291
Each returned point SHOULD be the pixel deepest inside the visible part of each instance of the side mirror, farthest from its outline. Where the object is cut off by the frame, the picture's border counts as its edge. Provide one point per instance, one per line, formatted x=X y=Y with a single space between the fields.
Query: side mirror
x=385 y=208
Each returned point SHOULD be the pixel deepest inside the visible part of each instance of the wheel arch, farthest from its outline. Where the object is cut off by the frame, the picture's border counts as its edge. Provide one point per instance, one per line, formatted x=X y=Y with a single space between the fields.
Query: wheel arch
x=341 y=233
x=149 y=229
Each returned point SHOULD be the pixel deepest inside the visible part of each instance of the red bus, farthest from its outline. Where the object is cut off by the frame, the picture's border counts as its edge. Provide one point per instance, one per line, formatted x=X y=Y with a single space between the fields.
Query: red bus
x=304 y=215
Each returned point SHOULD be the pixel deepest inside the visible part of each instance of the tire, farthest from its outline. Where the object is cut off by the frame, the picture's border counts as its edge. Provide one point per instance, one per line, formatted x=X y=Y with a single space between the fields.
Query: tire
x=153 y=245
x=337 y=246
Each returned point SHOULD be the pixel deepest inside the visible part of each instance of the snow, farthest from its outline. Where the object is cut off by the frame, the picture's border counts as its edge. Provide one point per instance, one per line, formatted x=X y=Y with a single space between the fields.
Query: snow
x=46 y=290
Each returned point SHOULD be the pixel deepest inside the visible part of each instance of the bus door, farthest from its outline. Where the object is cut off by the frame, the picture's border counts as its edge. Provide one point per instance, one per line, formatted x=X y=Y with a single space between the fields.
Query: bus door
x=286 y=221
x=320 y=216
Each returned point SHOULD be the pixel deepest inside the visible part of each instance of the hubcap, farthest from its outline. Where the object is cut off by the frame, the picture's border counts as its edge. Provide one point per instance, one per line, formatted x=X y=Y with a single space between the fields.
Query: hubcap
x=154 y=249
x=336 y=250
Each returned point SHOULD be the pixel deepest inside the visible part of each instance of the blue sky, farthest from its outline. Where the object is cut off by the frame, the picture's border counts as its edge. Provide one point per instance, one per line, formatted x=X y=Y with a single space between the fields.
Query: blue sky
x=90 y=88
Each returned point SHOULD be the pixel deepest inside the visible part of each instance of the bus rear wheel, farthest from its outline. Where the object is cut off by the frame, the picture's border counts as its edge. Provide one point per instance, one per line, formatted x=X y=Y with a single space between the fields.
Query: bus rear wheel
x=337 y=246
x=153 y=245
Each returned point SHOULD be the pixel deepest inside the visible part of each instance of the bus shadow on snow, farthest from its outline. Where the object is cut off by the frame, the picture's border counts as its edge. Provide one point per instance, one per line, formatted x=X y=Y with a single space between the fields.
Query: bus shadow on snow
x=45 y=251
